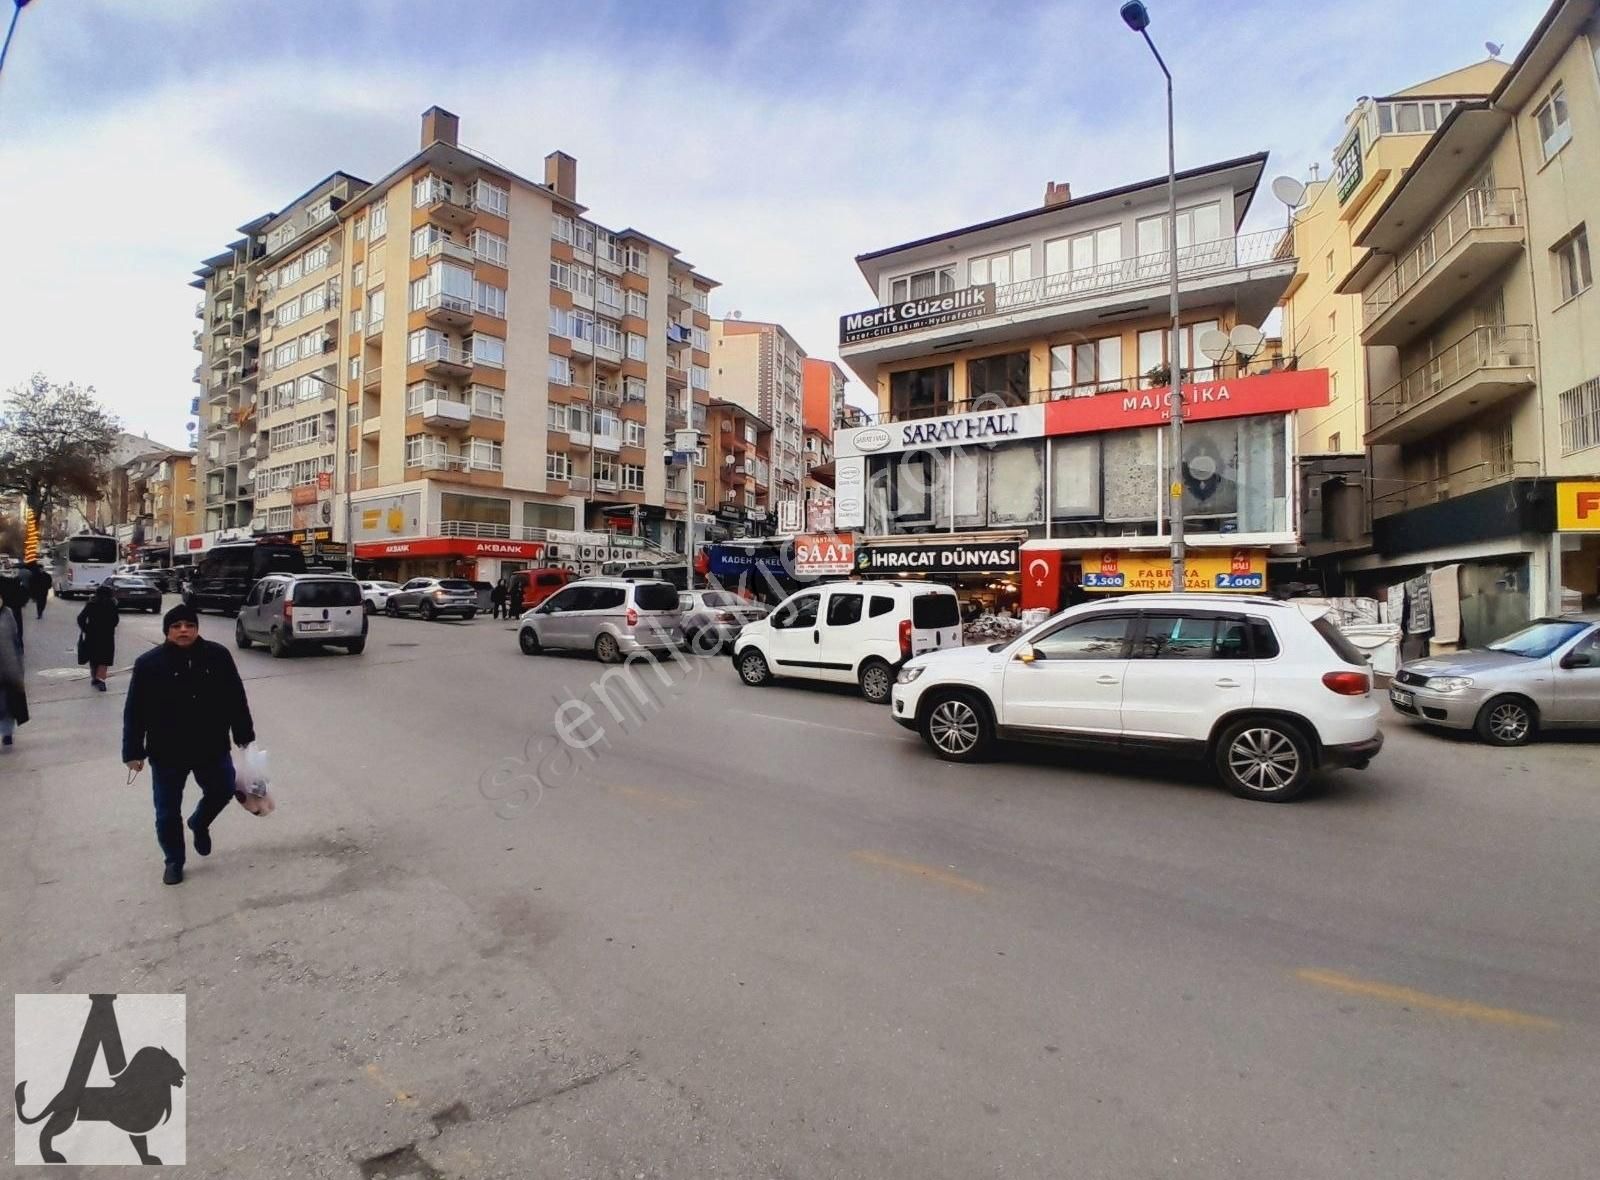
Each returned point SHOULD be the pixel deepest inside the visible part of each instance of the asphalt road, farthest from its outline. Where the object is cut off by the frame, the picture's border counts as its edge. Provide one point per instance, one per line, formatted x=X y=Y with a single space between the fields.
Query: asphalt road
x=753 y=933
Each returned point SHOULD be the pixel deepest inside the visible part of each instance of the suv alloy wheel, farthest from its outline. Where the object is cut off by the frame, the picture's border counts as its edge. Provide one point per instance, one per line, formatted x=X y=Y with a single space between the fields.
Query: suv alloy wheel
x=957 y=728
x=1264 y=758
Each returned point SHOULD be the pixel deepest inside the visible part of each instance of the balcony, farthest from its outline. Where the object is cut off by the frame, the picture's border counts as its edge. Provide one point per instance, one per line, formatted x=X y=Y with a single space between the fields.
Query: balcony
x=369 y=476
x=677 y=377
x=446 y=414
x=444 y=361
x=450 y=311
x=604 y=485
x=438 y=461
x=445 y=207
x=371 y=380
x=445 y=248
x=1484 y=367
x=678 y=336
x=1456 y=483
x=375 y=331
x=1243 y=270
x=677 y=297
x=1480 y=233
x=677 y=420
x=578 y=483
x=608 y=442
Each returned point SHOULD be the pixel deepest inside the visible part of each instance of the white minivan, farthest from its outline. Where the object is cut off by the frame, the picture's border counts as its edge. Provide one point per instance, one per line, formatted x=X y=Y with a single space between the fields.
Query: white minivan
x=849 y=632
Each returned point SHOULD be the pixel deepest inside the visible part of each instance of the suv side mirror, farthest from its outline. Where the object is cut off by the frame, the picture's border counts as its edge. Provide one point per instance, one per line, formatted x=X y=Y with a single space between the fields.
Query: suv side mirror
x=1578 y=659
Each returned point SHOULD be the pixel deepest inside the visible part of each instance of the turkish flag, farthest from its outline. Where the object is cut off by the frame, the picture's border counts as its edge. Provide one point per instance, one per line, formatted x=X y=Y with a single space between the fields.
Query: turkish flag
x=1041 y=579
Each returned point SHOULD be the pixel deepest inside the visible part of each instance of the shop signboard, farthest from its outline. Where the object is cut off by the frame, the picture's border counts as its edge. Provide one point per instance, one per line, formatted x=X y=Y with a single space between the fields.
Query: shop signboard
x=824 y=555
x=911 y=315
x=732 y=561
x=850 y=493
x=1347 y=167
x=1578 y=506
x=303 y=494
x=819 y=516
x=452 y=547
x=944 y=557
x=1235 y=397
x=388 y=516
x=1242 y=571
x=999 y=424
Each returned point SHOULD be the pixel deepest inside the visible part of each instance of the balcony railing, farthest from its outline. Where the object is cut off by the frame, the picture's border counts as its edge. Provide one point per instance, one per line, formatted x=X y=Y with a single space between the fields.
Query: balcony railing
x=445 y=248
x=369 y=476
x=1499 y=208
x=1497 y=346
x=579 y=483
x=1453 y=485
x=474 y=528
x=374 y=327
x=444 y=354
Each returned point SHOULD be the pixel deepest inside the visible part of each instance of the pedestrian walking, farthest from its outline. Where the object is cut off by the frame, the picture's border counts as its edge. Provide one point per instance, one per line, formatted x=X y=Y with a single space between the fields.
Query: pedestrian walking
x=13 y=697
x=514 y=599
x=97 y=635
x=38 y=587
x=497 y=600
x=184 y=701
x=14 y=597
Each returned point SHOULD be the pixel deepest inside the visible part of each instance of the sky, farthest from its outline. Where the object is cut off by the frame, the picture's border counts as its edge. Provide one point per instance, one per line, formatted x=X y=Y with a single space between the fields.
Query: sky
x=770 y=143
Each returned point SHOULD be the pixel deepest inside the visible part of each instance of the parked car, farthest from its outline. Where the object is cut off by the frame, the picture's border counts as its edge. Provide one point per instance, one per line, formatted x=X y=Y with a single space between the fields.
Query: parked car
x=849 y=633
x=1545 y=676
x=135 y=593
x=538 y=585
x=612 y=617
x=433 y=598
x=375 y=595
x=1253 y=685
x=226 y=573
x=288 y=611
x=717 y=615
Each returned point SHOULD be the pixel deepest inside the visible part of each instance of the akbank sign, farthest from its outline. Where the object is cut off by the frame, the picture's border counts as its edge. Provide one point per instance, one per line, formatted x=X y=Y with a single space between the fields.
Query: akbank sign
x=979 y=428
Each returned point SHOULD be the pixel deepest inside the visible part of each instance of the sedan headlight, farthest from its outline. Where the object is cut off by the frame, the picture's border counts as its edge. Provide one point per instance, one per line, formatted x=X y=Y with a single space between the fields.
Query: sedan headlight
x=909 y=673
x=1448 y=683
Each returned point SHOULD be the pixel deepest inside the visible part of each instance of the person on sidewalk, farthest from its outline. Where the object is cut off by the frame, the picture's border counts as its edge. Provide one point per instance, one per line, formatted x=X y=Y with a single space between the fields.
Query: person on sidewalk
x=97 y=624
x=14 y=597
x=13 y=698
x=184 y=700
x=514 y=599
x=38 y=587
x=497 y=599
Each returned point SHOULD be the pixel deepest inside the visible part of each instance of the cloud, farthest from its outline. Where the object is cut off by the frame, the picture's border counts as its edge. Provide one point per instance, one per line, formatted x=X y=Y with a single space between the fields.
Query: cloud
x=769 y=143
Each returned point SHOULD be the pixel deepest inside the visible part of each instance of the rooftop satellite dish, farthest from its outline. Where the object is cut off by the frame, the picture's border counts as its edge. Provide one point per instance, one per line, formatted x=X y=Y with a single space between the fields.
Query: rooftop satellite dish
x=1247 y=341
x=1288 y=190
x=1494 y=50
x=1215 y=343
x=736 y=315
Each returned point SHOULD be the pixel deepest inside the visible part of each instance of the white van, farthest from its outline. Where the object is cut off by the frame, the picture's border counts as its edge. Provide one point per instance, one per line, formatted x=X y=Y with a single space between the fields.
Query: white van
x=849 y=632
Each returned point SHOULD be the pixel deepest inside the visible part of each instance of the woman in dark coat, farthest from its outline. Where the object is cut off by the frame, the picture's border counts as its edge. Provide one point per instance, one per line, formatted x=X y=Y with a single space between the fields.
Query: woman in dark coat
x=98 y=624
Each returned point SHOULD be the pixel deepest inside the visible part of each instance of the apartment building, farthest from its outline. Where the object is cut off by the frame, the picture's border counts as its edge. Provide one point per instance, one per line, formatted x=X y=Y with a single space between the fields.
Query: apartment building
x=1482 y=345
x=819 y=479
x=822 y=391
x=758 y=365
x=228 y=341
x=739 y=482
x=1023 y=367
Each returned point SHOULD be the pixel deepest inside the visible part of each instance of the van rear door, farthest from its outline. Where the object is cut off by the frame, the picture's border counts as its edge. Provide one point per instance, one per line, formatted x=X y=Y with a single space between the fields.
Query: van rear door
x=935 y=621
x=328 y=608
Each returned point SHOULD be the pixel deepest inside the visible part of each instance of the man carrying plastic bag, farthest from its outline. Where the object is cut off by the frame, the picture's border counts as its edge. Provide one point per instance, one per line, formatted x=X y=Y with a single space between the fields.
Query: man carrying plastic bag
x=183 y=701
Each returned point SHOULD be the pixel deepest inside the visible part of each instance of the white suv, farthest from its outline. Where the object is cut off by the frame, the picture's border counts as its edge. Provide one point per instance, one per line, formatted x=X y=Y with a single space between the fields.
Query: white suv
x=1253 y=685
x=849 y=633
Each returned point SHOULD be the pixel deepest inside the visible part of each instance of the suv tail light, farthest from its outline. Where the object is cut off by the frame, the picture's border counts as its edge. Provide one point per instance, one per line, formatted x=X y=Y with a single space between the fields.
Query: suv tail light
x=1347 y=684
x=905 y=638
x=288 y=611
x=633 y=616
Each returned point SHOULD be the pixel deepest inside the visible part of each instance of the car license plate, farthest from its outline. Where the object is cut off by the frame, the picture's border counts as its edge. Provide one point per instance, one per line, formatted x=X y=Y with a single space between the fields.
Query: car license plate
x=313 y=626
x=1402 y=698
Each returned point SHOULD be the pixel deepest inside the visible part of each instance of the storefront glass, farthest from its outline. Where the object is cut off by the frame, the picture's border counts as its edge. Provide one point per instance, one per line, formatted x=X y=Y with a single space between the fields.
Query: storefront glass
x=476 y=509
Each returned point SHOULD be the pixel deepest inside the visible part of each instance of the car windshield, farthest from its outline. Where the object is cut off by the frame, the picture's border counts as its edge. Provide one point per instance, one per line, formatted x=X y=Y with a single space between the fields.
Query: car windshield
x=720 y=598
x=1538 y=640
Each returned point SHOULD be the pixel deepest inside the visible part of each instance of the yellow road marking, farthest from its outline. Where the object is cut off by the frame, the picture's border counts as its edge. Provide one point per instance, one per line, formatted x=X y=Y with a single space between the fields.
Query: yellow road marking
x=400 y=1095
x=926 y=872
x=1467 y=1009
x=656 y=798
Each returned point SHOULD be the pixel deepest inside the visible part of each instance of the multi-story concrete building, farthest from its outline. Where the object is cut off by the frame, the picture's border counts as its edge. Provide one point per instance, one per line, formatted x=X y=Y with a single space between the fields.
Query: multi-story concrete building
x=1482 y=345
x=740 y=475
x=228 y=341
x=819 y=479
x=1022 y=369
x=758 y=365
x=823 y=385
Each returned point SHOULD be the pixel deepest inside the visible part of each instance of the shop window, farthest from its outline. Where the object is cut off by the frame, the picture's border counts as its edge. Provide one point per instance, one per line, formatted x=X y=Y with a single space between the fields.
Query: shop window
x=477 y=509
x=1016 y=484
x=1233 y=475
x=1075 y=477
x=999 y=380
x=920 y=393
x=548 y=516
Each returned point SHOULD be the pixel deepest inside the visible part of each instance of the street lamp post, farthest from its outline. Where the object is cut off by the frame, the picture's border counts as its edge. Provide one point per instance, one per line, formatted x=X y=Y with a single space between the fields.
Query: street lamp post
x=1137 y=18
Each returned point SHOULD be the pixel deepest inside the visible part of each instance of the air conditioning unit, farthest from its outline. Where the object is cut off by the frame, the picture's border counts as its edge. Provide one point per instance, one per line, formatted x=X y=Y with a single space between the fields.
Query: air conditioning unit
x=557 y=552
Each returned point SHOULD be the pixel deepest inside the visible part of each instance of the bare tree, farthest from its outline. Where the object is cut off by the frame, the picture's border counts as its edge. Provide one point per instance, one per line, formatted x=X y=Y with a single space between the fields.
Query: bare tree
x=54 y=443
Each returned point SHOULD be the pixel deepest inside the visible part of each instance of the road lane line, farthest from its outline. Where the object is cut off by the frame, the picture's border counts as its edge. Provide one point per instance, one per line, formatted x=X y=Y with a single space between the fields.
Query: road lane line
x=1393 y=994
x=912 y=868
x=871 y=733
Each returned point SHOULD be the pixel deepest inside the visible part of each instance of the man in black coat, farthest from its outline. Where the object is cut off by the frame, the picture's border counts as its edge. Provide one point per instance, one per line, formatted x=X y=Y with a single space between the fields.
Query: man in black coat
x=184 y=699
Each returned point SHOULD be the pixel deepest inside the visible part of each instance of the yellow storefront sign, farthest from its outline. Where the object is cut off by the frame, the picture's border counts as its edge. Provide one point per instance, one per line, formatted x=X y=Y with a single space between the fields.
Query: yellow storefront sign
x=1578 y=506
x=1242 y=571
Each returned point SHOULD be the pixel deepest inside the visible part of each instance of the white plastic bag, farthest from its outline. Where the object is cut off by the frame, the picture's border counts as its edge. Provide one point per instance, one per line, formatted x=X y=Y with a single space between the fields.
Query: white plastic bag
x=250 y=782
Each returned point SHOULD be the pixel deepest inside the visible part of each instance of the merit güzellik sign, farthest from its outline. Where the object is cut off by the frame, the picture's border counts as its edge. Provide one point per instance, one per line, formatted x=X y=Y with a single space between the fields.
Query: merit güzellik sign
x=953 y=307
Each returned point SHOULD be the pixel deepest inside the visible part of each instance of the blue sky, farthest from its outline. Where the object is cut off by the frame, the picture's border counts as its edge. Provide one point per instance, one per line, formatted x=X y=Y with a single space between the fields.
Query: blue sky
x=770 y=143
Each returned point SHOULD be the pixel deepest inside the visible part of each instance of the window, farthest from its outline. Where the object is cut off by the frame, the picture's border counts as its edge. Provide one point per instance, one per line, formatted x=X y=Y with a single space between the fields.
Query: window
x=606 y=291
x=490 y=247
x=638 y=305
x=632 y=478
x=583 y=237
x=1554 y=128
x=1092 y=366
x=555 y=416
x=1327 y=266
x=486 y=350
x=1333 y=387
x=578 y=419
x=608 y=335
x=557 y=465
x=799 y=612
x=699 y=300
x=358 y=274
x=918 y=285
x=1572 y=263
x=414 y=447
x=355 y=369
x=1333 y=324
x=486 y=402
x=286 y=354
x=1094 y=251
x=286 y=312
x=561 y=228
x=605 y=470
x=425 y=342
x=920 y=393
x=489 y=300
x=361 y=229
x=637 y=260
x=1498 y=453
x=636 y=346
x=698 y=340
x=280 y=237
x=357 y=319
x=560 y=275
x=1009 y=266
x=633 y=389
x=1202 y=223
x=425 y=236
x=881 y=604
x=560 y=370
x=1333 y=441
x=313 y=343
x=318 y=257
x=484 y=454
x=700 y=456
x=844 y=609
x=1580 y=417
x=290 y=272
x=378 y=222
x=1099 y=638
x=699 y=377
x=375 y=308
x=1003 y=378
x=1185 y=637
x=633 y=433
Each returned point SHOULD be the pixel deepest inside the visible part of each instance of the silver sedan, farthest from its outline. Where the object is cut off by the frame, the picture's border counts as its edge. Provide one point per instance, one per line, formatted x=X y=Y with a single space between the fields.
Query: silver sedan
x=1545 y=676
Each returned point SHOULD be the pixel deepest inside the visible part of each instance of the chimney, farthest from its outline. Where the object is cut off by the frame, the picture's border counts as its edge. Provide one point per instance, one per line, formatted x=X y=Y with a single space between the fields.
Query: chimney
x=561 y=175
x=439 y=126
x=1056 y=192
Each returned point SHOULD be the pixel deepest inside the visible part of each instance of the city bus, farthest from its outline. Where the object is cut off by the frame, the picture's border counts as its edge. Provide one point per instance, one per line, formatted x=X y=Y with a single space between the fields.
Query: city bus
x=82 y=562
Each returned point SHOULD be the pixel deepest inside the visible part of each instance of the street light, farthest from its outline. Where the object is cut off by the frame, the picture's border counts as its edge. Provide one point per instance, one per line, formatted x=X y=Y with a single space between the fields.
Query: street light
x=1137 y=17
